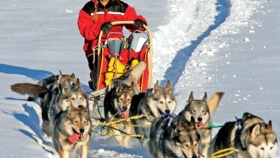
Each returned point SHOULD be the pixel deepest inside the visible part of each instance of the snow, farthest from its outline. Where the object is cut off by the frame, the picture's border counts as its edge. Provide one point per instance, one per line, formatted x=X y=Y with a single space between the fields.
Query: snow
x=201 y=46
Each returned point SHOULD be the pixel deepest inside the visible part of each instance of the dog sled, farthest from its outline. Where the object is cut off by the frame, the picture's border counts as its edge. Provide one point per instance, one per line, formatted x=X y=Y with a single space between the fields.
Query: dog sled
x=117 y=55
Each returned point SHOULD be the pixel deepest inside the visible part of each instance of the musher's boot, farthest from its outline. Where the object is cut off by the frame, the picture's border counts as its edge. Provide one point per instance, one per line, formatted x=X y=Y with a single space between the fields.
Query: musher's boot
x=91 y=82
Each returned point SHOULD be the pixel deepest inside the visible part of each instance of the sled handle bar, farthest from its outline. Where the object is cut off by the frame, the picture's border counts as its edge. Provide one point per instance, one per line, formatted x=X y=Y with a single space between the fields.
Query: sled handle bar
x=150 y=47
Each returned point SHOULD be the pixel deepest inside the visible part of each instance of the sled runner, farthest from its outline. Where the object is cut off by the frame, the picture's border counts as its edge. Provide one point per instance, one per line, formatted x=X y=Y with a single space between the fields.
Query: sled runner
x=117 y=55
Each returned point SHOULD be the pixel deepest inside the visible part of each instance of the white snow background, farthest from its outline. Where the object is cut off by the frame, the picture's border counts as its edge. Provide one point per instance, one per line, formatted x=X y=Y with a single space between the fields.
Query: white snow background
x=200 y=45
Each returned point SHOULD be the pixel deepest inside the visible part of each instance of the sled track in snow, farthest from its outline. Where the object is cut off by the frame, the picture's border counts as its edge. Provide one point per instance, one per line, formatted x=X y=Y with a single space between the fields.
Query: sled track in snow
x=223 y=8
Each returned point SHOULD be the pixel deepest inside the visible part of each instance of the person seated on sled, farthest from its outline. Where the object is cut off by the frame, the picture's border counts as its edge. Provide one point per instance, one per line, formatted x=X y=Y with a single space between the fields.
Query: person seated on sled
x=97 y=15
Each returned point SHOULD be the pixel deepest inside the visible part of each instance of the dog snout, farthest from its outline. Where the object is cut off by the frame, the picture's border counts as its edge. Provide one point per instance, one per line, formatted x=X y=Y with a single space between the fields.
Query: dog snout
x=167 y=111
x=124 y=108
x=199 y=119
x=194 y=157
x=82 y=130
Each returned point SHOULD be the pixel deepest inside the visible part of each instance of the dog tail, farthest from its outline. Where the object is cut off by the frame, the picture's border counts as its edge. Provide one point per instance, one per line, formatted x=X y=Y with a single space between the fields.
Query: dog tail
x=30 y=89
x=138 y=70
x=213 y=102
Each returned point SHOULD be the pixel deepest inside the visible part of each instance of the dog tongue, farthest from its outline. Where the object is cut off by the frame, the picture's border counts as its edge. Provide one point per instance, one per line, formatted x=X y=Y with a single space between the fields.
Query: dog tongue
x=200 y=125
x=125 y=114
x=74 y=138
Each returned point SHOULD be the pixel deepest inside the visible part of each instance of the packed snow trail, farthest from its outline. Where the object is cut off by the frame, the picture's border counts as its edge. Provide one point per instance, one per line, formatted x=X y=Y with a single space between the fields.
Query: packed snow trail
x=178 y=65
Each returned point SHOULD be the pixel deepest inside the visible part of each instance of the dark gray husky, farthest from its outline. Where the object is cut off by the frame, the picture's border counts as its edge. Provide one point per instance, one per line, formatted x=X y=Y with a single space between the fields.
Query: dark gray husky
x=251 y=136
x=174 y=138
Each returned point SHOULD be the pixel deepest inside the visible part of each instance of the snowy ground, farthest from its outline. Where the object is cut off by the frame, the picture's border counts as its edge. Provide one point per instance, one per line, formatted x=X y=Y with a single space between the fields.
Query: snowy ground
x=201 y=46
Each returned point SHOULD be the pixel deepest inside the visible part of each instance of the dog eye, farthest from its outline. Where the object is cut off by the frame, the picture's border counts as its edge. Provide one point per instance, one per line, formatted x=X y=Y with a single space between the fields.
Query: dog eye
x=85 y=122
x=169 y=102
x=187 y=145
x=81 y=98
x=161 y=102
x=72 y=98
x=193 y=111
x=128 y=100
x=76 y=122
x=271 y=148
x=262 y=148
x=203 y=111
x=121 y=99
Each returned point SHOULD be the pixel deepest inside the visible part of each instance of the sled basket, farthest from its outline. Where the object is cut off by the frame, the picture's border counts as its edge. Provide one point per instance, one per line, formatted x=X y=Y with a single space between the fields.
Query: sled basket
x=117 y=55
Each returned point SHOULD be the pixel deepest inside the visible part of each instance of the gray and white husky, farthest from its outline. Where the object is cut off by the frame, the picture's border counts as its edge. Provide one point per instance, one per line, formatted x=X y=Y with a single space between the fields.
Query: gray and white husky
x=251 y=136
x=71 y=132
x=152 y=104
x=53 y=100
x=199 y=109
x=174 y=138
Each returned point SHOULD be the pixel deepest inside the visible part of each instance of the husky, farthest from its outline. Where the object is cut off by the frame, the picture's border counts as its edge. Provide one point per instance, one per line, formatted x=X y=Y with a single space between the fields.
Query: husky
x=152 y=104
x=61 y=98
x=44 y=86
x=117 y=102
x=174 y=138
x=200 y=111
x=53 y=101
x=71 y=132
x=251 y=136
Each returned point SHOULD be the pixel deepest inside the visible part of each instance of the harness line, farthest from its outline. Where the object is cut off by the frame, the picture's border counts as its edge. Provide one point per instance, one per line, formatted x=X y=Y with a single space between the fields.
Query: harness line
x=114 y=123
x=223 y=152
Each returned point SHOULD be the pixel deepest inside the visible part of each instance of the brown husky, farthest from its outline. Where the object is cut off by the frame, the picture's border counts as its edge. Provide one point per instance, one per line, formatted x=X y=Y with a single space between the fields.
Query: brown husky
x=174 y=138
x=71 y=132
x=117 y=102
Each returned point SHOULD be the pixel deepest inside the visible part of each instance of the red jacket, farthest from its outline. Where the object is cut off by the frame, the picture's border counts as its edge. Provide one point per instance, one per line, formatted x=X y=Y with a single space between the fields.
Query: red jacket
x=115 y=10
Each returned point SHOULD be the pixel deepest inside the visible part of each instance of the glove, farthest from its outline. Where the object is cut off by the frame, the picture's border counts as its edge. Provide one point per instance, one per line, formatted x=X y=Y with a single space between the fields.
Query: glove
x=139 y=23
x=106 y=26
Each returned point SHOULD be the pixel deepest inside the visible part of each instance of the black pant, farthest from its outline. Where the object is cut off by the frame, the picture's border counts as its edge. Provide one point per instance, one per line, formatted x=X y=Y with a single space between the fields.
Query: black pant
x=93 y=71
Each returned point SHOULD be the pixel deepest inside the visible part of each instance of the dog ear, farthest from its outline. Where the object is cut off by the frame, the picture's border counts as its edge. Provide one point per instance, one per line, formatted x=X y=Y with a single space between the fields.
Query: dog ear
x=205 y=96
x=156 y=87
x=180 y=126
x=168 y=86
x=119 y=87
x=77 y=85
x=73 y=75
x=131 y=87
x=269 y=127
x=214 y=101
x=60 y=75
x=255 y=132
x=191 y=98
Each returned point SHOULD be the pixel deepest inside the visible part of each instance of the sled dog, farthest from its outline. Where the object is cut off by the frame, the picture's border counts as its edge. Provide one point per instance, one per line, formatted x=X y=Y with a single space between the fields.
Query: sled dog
x=251 y=136
x=174 y=138
x=52 y=82
x=117 y=101
x=71 y=132
x=152 y=104
x=44 y=86
x=199 y=110
x=53 y=101
x=61 y=99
